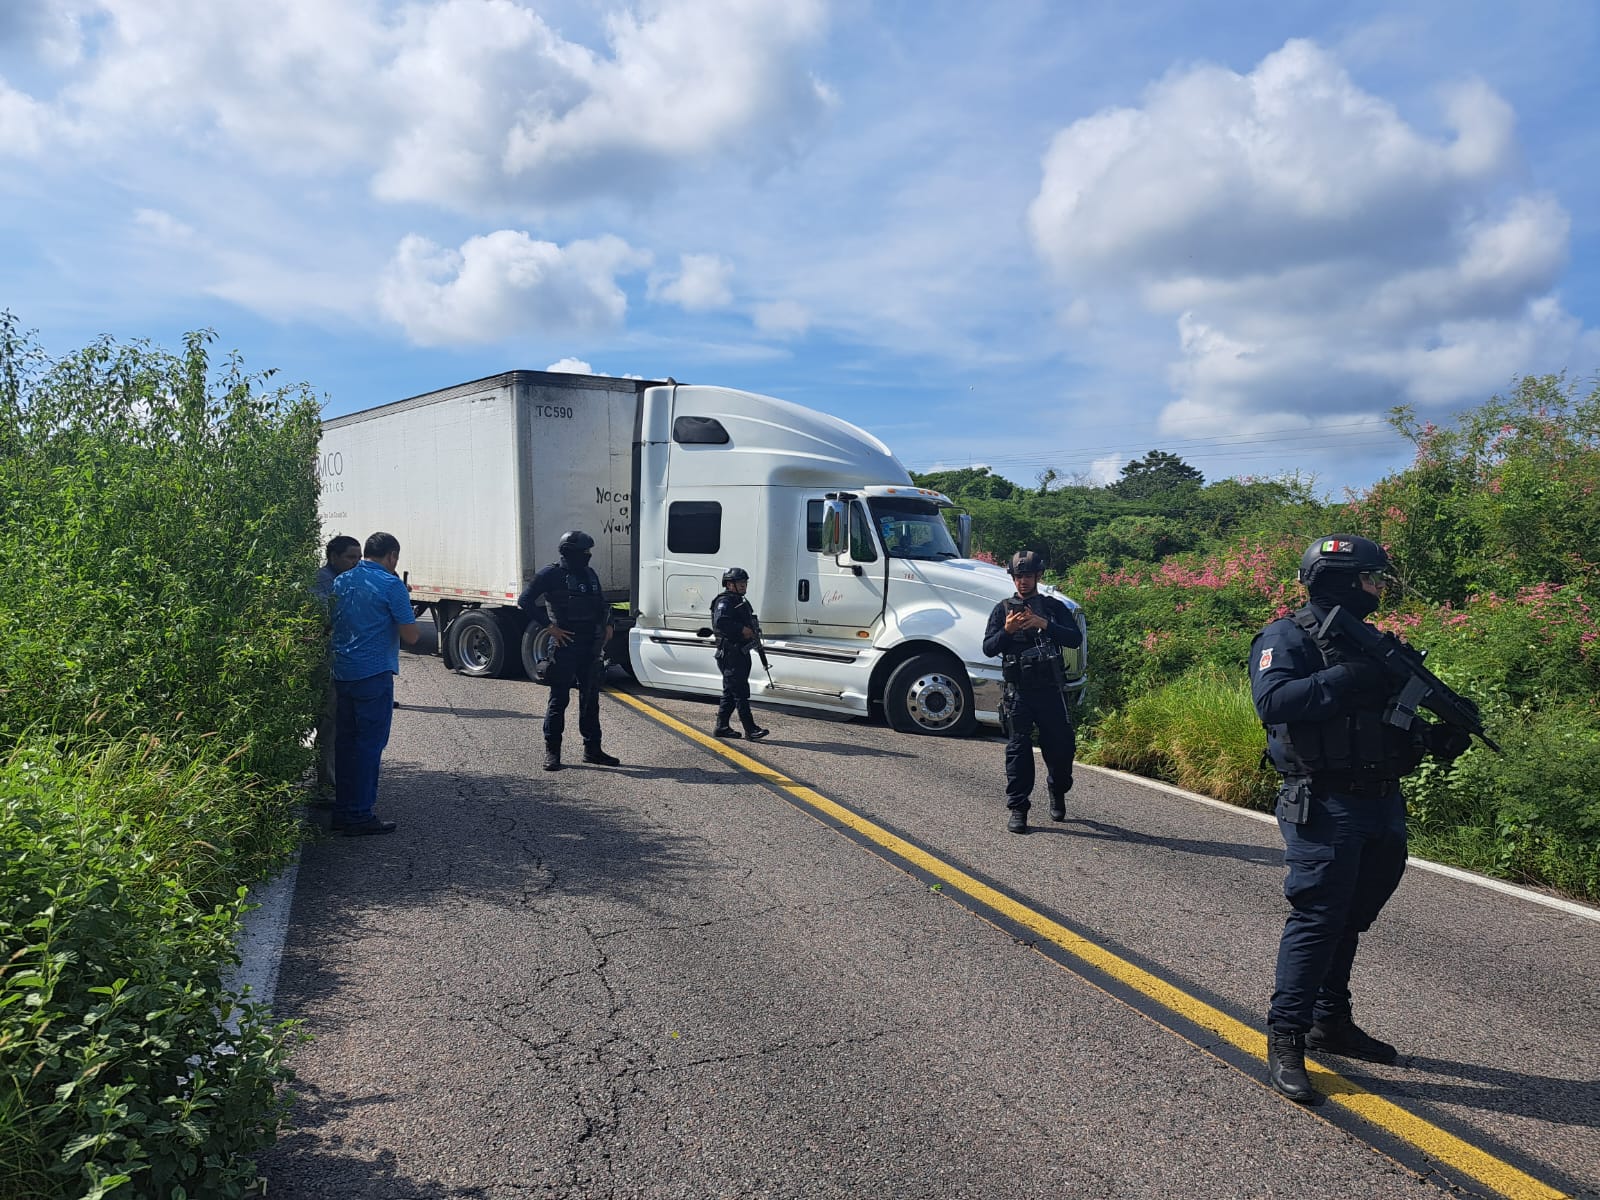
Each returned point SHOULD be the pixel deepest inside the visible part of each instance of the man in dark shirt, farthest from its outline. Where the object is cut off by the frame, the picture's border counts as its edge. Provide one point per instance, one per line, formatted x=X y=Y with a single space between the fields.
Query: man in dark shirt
x=342 y=553
x=1340 y=810
x=567 y=597
x=1027 y=633
x=737 y=629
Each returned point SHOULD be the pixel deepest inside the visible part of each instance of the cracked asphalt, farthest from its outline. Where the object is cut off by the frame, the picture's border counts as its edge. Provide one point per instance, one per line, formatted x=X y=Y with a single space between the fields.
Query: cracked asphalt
x=667 y=979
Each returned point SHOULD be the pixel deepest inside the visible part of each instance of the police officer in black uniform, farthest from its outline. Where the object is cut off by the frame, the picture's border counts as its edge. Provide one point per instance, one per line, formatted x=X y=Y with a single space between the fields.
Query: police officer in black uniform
x=1340 y=810
x=566 y=596
x=736 y=627
x=1027 y=633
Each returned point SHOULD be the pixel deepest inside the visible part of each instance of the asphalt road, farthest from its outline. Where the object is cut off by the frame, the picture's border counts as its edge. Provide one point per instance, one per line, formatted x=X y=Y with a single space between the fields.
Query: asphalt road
x=682 y=977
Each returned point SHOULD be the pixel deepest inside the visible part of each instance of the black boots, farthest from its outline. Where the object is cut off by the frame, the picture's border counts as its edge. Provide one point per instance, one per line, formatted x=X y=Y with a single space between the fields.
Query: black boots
x=593 y=754
x=552 y=754
x=1017 y=822
x=1342 y=1036
x=1286 y=1066
x=1058 y=806
x=754 y=732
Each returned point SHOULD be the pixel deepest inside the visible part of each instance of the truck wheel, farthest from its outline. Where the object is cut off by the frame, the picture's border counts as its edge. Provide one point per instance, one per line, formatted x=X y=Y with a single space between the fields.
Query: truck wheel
x=929 y=694
x=536 y=649
x=478 y=644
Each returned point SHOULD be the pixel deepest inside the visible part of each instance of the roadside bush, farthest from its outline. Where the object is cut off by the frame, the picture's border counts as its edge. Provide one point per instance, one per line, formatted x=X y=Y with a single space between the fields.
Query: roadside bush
x=1151 y=623
x=158 y=532
x=1198 y=731
x=125 y=1069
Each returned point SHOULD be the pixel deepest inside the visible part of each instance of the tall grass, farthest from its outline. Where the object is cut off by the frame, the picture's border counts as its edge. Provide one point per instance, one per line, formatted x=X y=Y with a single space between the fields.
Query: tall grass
x=1199 y=731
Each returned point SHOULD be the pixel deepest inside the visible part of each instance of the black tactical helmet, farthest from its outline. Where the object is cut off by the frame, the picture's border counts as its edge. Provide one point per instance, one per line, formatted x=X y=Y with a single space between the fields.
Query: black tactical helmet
x=574 y=541
x=1343 y=553
x=1026 y=562
x=735 y=575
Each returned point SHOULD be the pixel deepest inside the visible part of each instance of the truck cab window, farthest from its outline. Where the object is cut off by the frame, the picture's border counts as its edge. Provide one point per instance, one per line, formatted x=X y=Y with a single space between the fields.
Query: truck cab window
x=912 y=529
x=694 y=527
x=861 y=547
x=699 y=431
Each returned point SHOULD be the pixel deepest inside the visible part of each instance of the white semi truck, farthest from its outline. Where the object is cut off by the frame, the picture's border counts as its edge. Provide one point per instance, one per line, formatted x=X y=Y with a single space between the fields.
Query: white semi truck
x=866 y=602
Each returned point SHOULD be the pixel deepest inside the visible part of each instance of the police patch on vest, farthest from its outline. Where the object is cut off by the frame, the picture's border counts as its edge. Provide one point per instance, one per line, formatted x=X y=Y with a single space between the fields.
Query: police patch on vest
x=1266 y=659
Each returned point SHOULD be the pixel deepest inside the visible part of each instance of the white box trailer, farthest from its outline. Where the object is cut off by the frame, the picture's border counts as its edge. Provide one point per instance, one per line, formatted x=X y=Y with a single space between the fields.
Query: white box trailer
x=867 y=603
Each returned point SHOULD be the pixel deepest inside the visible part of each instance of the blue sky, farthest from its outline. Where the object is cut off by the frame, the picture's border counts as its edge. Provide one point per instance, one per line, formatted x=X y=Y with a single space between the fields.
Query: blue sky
x=1028 y=235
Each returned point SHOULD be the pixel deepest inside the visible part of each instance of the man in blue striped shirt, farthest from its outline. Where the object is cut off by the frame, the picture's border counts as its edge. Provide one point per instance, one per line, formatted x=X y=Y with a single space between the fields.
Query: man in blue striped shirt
x=372 y=615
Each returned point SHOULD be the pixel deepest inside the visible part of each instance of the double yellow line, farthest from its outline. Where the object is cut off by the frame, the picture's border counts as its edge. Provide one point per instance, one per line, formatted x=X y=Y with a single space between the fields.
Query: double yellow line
x=1437 y=1143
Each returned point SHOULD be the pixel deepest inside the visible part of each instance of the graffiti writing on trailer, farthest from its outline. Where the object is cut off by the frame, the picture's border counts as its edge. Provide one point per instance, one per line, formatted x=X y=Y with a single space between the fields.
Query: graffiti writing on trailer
x=620 y=519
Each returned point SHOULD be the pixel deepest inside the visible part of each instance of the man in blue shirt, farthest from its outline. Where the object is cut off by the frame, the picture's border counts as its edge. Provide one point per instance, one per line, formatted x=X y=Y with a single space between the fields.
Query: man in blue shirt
x=372 y=615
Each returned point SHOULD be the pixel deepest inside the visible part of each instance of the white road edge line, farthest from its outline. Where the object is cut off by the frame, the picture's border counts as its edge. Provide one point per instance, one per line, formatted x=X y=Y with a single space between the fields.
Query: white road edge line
x=1570 y=907
x=262 y=932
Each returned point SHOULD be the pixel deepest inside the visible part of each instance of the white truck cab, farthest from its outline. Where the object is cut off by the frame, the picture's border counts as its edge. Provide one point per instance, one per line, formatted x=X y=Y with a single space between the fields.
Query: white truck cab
x=865 y=599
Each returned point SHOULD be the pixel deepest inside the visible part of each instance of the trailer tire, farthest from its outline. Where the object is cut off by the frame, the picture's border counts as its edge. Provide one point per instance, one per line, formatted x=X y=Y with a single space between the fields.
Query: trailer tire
x=478 y=644
x=931 y=695
x=536 y=647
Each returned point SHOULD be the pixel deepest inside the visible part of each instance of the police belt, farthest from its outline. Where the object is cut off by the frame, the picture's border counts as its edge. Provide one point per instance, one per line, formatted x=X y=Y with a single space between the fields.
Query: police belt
x=1345 y=784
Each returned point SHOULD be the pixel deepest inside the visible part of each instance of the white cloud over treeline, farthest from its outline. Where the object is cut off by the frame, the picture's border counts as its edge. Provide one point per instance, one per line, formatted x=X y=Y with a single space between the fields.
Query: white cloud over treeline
x=1318 y=254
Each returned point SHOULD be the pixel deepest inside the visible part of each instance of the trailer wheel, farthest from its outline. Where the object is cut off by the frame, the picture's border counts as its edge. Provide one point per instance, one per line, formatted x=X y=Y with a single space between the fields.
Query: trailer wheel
x=536 y=647
x=478 y=644
x=929 y=694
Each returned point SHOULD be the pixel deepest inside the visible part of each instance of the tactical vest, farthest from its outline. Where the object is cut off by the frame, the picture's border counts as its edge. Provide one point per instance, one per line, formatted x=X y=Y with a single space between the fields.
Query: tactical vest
x=721 y=607
x=1360 y=743
x=577 y=603
x=1039 y=665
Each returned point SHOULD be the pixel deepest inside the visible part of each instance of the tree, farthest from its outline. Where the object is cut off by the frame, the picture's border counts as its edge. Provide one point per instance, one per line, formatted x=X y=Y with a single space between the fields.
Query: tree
x=1156 y=476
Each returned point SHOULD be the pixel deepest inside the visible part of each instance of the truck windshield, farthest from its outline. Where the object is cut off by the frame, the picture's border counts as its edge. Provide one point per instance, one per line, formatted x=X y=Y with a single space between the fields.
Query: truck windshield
x=912 y=528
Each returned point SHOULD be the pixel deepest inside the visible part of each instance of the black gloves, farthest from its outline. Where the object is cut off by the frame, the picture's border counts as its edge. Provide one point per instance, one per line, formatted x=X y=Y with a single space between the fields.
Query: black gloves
x=1367 y=679
x=1446 y=742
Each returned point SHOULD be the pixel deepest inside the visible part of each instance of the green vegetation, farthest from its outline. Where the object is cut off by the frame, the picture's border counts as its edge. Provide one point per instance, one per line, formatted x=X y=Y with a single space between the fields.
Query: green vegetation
x=157 y=528
x=1493 y=531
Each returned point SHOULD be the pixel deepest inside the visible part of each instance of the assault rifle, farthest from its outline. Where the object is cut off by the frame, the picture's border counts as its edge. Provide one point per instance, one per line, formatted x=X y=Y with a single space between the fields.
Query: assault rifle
x=761 y=650
x=1419 y=687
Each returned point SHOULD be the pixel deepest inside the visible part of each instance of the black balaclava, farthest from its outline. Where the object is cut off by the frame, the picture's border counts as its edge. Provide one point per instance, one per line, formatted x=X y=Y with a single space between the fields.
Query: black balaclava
x=576 y=559
x=1343 y=588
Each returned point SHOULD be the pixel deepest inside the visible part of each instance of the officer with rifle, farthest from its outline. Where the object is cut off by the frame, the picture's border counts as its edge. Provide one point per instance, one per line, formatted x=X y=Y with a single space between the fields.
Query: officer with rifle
x=1339 y=700
x=738 y=632
x=566 y=596
x=1027 y=632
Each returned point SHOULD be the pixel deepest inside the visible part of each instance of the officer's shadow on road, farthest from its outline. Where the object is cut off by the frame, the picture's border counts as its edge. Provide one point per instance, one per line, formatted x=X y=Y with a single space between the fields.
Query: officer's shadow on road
x=469 y=713
x=302 y=1163
x=1240 y=851
x=837 y=749
x=1494 y=1089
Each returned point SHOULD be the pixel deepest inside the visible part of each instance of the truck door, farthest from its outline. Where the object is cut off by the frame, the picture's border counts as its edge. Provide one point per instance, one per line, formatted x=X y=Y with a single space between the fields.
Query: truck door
x=838 y=597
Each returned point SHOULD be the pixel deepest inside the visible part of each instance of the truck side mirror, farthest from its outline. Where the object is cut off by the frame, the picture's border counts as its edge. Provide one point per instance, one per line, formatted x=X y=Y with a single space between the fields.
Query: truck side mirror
x=964 y=534
x=835 y=527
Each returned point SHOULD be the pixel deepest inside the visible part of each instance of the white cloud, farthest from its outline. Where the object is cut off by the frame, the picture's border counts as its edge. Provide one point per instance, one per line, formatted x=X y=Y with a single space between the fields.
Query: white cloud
x=25 y=124
x=1317 y=253
x=783 y=318
x=699 y=285
x=506 y=283
x=570 y=366
x=462 y=104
